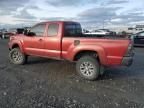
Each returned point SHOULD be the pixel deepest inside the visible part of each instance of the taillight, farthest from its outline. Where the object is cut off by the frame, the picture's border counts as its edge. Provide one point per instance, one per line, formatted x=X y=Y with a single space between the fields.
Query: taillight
x=130 y=49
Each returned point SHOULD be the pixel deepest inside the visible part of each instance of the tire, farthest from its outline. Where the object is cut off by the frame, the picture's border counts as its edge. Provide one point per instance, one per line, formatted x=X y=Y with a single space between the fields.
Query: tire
x=17 y=57
x=88 y=68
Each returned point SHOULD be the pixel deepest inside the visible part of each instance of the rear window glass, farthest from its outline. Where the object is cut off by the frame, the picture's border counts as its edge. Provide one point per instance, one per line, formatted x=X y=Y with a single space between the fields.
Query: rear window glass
x=72 y=29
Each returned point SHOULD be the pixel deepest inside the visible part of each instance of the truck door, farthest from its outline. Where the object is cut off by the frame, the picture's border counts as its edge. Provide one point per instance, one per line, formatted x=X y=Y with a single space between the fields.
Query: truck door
x=53 y=40
x=34 y=45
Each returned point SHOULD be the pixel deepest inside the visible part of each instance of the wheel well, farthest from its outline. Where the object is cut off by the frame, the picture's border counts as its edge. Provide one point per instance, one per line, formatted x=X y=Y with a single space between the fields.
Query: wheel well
x=15 y=46
x=83 y=53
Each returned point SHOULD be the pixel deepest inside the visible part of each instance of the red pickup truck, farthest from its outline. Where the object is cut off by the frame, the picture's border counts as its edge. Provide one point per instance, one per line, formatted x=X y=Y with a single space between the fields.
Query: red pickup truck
x=63 y=40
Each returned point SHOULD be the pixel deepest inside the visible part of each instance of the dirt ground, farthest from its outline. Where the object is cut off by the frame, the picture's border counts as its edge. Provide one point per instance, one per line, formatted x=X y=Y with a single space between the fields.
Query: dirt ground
x=45 y=83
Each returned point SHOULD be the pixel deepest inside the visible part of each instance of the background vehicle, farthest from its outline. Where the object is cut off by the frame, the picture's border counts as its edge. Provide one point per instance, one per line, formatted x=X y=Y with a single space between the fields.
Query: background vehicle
x=84 y=31
x=2 y=32
x=110 y=32
x=7 y=33
x=138 y=39
x=98 y=32
x=102 y=32
x=63 y=40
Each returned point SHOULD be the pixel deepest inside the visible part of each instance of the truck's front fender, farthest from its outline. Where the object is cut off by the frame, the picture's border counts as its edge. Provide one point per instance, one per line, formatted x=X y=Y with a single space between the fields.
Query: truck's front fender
x=16 y=43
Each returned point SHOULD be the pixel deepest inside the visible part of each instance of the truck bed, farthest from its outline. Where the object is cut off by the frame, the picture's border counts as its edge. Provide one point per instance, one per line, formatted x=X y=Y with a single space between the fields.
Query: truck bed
x=103 y=36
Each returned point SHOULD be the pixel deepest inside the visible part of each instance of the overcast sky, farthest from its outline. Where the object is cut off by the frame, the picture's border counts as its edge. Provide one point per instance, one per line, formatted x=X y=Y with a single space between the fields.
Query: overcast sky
x=88 y=12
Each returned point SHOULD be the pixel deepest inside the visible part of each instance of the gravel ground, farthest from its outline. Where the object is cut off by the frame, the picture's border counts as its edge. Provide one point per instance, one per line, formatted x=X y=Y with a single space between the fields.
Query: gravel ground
x=44 y=83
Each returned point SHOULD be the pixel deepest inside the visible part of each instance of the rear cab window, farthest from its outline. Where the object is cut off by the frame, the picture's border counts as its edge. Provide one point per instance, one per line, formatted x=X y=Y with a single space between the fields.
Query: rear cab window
x=72 y=29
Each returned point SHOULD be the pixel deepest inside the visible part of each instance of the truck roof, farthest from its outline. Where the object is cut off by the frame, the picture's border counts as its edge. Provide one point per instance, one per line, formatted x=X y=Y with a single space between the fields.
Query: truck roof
x=57 y=22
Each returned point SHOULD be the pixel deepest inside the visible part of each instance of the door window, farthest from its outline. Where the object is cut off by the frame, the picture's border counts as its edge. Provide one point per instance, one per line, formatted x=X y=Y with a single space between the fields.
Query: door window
x=38 y=29
x=53 y=30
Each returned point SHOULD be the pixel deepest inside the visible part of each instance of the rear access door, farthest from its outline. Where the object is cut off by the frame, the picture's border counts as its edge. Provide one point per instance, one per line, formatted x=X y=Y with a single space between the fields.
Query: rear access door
x=53 y=40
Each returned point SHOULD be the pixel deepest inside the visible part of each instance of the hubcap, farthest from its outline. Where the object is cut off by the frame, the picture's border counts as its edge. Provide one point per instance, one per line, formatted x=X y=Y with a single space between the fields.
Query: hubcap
x=87 y=68
x=16 y=56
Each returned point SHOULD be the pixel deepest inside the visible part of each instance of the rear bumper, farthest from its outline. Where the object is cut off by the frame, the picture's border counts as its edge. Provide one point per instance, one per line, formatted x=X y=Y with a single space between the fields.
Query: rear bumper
x=127 y=61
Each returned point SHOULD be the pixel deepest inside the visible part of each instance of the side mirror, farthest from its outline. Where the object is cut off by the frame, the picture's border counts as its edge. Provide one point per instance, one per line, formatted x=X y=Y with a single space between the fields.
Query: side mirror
x=25 y=32
x=28 y=33
x=31 y=34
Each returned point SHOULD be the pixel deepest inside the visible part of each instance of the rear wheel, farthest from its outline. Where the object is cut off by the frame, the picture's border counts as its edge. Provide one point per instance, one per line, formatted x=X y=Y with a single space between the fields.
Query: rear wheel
x=88 y=67
x=17 y=57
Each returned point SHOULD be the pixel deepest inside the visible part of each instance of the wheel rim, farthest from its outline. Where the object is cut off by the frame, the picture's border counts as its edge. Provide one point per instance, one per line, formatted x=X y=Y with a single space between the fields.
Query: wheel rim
x=16 y=56
x=87 y=68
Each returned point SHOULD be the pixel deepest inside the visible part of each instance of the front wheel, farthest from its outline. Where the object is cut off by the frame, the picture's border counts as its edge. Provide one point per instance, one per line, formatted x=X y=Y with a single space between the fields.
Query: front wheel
x=88 y=67
x=17 y=57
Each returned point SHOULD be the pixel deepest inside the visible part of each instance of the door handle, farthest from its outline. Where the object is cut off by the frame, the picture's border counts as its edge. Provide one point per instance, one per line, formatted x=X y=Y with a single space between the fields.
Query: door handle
x=40 y=39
